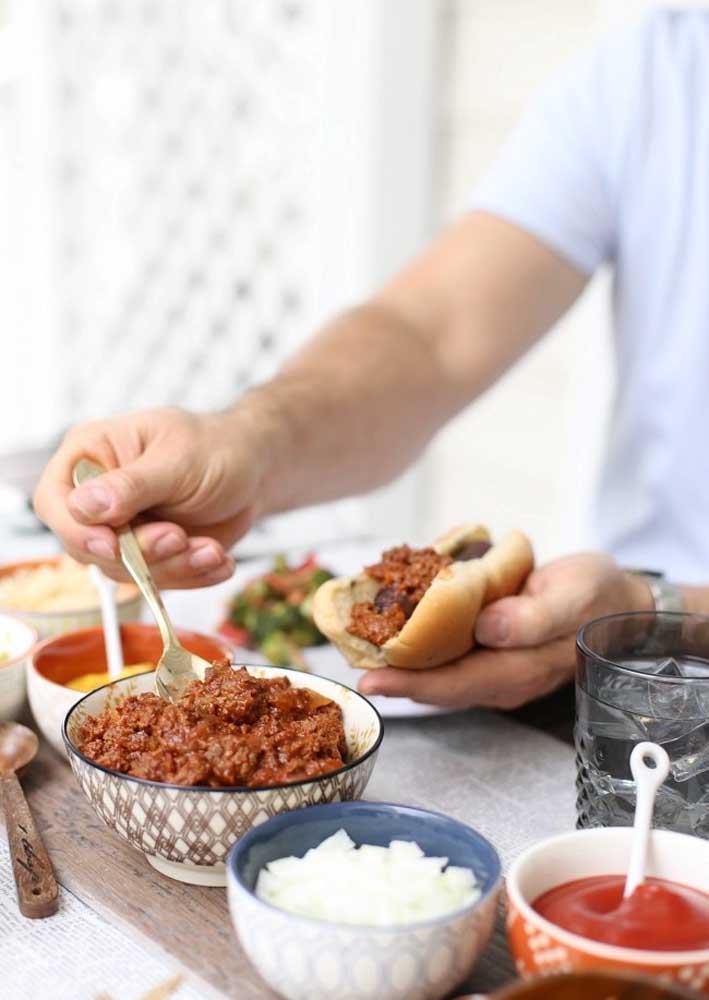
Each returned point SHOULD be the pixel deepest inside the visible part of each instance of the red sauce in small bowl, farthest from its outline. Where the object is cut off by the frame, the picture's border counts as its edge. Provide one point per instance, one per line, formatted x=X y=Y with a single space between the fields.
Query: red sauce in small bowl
x=659 y=916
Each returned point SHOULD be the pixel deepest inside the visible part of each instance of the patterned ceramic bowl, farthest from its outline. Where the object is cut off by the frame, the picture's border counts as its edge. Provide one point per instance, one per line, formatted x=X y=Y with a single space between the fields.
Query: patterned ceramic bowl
x=305 y=959
x=539 y=946
x=16 y=642
x=63 y=658
x=593 y=986
x=186 y=833
x=47 y=623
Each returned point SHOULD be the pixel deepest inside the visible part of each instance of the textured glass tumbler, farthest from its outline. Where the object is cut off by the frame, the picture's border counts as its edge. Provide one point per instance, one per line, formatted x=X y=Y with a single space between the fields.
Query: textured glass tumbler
x=643 y=676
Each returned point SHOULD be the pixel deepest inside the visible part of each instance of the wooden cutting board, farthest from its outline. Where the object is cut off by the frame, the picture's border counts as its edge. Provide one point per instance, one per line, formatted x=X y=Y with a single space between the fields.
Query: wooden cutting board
x=189 y=922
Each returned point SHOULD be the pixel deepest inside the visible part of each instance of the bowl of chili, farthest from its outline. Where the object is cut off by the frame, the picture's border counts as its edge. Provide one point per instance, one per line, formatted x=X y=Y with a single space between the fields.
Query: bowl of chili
x=182 y=783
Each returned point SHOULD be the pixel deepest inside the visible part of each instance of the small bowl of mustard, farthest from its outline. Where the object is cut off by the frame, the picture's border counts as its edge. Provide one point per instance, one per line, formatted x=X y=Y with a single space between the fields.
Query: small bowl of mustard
x=63 y=668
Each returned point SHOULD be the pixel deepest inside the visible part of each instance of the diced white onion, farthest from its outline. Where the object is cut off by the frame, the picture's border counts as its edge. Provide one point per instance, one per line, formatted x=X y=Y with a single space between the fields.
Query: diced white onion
x=376 y=886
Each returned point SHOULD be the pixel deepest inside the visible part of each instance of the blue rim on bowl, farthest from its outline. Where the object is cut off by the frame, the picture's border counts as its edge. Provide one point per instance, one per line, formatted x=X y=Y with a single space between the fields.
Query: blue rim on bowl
x=278 y=837
x=73 y=749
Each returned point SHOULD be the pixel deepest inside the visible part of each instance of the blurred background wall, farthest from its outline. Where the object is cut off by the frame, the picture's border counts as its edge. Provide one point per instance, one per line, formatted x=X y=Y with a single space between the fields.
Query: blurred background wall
x=528 y=452
x=187 y=187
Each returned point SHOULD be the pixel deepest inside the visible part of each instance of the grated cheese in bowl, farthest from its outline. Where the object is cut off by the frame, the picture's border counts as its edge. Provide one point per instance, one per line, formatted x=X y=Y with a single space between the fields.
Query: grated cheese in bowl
x=367 y=885
x=63 y=585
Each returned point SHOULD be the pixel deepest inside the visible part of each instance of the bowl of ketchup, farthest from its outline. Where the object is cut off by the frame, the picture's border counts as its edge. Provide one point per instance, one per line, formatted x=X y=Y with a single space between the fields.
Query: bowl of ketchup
x=565 y=907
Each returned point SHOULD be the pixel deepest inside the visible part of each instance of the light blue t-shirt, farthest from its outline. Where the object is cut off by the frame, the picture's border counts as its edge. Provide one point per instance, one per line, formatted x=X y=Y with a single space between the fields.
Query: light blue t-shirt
x=611 y=165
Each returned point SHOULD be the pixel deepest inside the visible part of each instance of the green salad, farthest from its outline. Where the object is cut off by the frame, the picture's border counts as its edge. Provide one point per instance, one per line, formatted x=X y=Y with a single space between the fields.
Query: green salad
x=273 y=612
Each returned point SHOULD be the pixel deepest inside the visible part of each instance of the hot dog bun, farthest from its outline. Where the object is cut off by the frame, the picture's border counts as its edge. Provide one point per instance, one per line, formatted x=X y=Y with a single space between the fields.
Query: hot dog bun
x=442 y=625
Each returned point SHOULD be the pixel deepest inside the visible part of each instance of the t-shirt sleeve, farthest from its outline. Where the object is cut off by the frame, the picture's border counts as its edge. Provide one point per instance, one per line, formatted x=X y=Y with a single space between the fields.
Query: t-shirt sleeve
x=555 y=176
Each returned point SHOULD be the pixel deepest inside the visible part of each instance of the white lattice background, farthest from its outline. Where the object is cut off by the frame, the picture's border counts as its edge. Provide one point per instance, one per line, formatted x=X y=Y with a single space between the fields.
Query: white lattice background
x=187 y=187
x=186 y=208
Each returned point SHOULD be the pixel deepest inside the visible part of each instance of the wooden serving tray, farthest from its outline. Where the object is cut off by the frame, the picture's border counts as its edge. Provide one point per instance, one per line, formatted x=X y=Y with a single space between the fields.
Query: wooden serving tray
x=189 y=922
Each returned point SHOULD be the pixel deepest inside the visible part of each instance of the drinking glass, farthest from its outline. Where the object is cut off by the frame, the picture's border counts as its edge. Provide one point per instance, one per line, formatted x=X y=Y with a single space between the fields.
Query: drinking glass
x=643 y=676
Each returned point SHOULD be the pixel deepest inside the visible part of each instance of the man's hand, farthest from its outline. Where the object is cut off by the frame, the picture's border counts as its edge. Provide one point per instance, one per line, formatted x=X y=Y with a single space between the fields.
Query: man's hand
x=528 y=641
x=195 y=477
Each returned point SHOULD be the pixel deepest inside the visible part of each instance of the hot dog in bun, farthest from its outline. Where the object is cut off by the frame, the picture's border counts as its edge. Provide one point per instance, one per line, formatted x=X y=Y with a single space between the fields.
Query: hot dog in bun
x=417 y=608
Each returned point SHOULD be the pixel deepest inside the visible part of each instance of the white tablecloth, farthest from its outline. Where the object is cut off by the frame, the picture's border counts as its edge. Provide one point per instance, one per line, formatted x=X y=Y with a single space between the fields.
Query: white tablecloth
x=512 y=783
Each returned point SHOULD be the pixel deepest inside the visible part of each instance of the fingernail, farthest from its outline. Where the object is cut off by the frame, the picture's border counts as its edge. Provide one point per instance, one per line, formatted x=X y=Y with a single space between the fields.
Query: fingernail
x=100 y=548
x=168 y=545
x=368 y=687
x=92 y=500
x=205 y=558
x=493 y=631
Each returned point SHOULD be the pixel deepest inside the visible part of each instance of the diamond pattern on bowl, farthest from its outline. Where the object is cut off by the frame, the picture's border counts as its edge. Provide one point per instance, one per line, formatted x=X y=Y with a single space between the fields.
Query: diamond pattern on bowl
x=309 y=960
x=198 y=826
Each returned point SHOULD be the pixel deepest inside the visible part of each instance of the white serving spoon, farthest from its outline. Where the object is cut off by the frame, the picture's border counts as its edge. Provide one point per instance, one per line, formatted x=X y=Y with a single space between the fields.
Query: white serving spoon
x=109 y=618
x=647 y=781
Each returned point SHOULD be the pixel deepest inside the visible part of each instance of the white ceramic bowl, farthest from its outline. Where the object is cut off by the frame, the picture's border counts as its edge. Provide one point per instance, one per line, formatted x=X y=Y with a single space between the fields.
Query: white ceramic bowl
x=129 y=603
x=539 y=946
x=187 y=832
x=17 y=639
x=305 y=959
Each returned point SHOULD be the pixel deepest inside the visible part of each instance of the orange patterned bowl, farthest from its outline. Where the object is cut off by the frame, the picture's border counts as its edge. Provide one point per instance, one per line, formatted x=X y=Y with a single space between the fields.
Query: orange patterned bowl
x=539 y=946
x=593 y=986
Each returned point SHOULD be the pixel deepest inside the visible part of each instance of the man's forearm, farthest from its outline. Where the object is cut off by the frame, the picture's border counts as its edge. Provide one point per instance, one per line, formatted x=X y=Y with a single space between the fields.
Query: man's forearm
x=361 y=400
x=352 y=410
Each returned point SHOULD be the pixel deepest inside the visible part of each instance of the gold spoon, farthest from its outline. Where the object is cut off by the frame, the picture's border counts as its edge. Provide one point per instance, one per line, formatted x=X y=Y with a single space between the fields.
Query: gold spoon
x=37 y=891
x=176 y=667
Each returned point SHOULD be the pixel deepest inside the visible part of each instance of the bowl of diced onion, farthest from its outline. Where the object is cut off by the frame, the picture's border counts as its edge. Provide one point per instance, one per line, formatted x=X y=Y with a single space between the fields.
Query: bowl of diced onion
x=363 y=899
x=56 y=595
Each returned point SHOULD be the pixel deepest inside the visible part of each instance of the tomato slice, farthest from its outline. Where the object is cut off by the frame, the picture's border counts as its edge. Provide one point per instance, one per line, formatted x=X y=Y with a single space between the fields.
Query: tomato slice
x=239 y=636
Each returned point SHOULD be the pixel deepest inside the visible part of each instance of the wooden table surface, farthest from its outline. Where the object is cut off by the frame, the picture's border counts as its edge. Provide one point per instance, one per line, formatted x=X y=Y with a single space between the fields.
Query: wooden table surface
x=192 y=923
x=188 y=921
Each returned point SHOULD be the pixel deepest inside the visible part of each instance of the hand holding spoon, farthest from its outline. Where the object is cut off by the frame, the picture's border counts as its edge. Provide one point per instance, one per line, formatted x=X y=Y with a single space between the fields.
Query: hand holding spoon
x=176 y=667
x=37 y=891
x=647 y=781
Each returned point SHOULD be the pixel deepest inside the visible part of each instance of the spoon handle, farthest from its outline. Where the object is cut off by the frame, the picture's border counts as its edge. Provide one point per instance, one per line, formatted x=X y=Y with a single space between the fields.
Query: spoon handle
x=135 y=563
x=109 y=619
x=647 y=781
x=133 y=558
x=37 y=890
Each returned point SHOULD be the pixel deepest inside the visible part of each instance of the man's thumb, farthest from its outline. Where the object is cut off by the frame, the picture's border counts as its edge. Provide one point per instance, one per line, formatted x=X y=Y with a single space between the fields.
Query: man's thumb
x=519 y=621
x=118 y=496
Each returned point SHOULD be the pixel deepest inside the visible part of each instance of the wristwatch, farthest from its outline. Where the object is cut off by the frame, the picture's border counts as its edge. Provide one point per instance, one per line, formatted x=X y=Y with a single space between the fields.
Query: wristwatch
x=666 y=595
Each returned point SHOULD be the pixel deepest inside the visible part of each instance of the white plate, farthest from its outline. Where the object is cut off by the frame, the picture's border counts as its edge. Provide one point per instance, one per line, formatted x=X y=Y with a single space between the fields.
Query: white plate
x=328 y=662
x=203 y=610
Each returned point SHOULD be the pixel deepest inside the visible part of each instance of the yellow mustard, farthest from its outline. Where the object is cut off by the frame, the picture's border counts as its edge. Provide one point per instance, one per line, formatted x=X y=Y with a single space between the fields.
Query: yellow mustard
x=88 y=682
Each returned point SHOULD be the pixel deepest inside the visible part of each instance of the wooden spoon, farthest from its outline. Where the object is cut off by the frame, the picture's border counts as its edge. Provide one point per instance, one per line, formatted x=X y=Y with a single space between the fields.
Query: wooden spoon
x=37 y=890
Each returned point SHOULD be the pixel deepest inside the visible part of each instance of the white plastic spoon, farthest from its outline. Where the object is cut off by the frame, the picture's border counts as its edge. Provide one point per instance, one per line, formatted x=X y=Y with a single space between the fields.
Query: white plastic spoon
x=647 y=781
x=109 y=617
